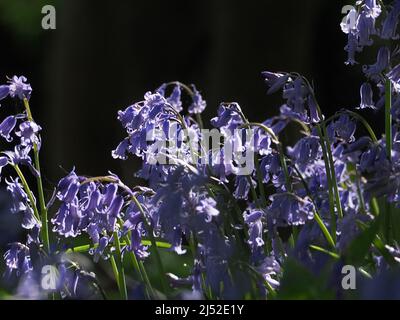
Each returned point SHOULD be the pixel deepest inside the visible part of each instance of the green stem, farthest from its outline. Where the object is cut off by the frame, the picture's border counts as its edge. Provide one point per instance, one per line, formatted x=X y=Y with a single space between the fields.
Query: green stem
x=285 y=168
x=333 y=173
x=330 y=253
x=115 y=271
x=328 y=178
x=42 y=203
x=324 y=230
x=153 y=245
x=121 y=270
x=28 y=191
x=147 y=280
x=141 y=272
x=330 y=238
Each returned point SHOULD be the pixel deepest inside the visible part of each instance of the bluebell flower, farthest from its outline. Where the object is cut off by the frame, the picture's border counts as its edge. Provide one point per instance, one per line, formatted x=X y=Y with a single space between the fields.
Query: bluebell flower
x=175 y=98
x=28 y=133
x=352 y=48
x=375 y=71
x=99 y=250
x=228 y=116
x=19 y=88
x=28 y=219
x=305 y=151
x=136 y=245
x=68 y=187
x=314 y=113
x=4 y=91
x=372 y=8
x=270 y=167
x=289 y=209
x=7 y=126
x=270 y=269
x=120 y=151
x=394 y=76
x=253 y=219
x=242 y=187
x=19 y=197
x=114 y=212
x=357 y=145
x=3 y=163
x=208 y=207
x=198 y=105
x=262 y=142
x=275 y=81
x=133 y=218
x=366 y=96
x=365 y=29
x=17 y=259
x=389 y=27
x=345 y=128
x=68 y=219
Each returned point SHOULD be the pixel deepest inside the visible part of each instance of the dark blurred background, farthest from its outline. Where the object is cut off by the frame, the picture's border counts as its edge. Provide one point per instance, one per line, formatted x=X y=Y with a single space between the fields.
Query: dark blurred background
x=104 y=55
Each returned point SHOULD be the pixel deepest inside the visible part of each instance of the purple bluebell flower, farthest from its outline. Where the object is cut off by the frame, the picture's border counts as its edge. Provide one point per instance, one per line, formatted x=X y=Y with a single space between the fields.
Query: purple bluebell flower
x=375 y=71
x=198 y=105
x=253 y=219
x=366 y=96
x=136 y=244
x=270 y=167
x=208 y=207
x=275 y=81
x=242 y=187
x=19 y=197
x=7 y=126
x=372 y=8
x=109 y=194
x=262 y=142
x=357 y=145
x=345 y=128
x=314 y=113
x=68 y=219
x=365 y=29
x=4 y=91
x=28 y=219
x=99 y=250
x=19 y=88
x=352 y=48
x=289 y=209
x=389 y=27
x=305 y=151
x=114 y=212
x=28 y=133
x=68 y=187
x=175 y=98
x=17 y=259
x=120 y=151
x=3 y=163
x=270 y=270
x=228 y=116
x=394 y=76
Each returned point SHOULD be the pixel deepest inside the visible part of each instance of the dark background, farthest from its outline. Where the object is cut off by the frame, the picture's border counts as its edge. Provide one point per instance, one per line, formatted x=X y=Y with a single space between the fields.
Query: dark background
x=104 y=55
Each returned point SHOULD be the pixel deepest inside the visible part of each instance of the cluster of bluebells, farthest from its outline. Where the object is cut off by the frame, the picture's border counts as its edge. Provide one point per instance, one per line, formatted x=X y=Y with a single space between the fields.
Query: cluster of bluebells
x=305 y=201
